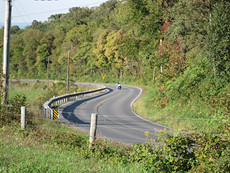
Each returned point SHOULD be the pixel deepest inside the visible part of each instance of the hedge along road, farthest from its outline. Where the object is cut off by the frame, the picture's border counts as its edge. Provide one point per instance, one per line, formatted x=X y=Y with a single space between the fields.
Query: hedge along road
x=116 y=119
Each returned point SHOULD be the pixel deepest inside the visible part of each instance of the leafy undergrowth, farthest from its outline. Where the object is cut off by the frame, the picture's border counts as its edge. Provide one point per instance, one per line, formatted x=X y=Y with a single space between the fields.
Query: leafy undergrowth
x=50 y=146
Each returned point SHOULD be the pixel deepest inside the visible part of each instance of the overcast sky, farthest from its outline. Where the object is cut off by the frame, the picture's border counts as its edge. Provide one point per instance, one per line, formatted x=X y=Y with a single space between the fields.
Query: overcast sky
x=28 y=10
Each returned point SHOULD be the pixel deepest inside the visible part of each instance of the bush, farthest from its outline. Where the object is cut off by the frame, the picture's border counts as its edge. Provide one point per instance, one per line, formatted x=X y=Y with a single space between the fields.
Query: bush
x=212 y=153
x=11 y=111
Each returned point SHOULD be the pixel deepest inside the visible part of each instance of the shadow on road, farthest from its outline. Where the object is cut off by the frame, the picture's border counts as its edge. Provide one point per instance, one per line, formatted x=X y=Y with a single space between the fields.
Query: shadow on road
x=68 y=112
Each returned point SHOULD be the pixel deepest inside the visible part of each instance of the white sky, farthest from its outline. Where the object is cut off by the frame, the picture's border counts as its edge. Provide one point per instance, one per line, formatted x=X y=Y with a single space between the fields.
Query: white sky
x=29 y=10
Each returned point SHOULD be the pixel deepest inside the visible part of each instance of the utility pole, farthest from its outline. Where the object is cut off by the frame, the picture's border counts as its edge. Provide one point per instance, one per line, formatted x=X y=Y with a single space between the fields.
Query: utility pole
x=6 y=53
x=68 y=72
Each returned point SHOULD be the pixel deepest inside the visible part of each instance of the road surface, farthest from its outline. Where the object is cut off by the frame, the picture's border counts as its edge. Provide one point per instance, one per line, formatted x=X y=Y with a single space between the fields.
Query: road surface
x=116 y=119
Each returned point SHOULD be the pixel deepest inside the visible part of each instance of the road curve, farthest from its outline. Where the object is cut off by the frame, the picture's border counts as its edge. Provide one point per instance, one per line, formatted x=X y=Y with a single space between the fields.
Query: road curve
x=116 y=119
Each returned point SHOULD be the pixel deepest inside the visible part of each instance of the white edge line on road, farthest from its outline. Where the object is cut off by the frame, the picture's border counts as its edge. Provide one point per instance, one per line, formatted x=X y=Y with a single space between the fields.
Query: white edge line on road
x=131 y=107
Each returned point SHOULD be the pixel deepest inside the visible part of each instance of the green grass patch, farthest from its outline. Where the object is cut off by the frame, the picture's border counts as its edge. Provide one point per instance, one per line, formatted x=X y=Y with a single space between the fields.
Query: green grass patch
x=16 y=157
x=27 y=90
x=51 y=147
x=194 y=116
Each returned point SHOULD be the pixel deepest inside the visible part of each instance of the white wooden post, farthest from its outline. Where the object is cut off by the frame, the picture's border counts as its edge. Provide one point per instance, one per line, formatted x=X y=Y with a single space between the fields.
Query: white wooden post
x=23 y=118
x=93 y=127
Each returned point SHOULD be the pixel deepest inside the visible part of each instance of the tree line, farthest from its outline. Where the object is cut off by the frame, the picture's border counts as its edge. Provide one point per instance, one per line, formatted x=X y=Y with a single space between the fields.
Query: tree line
x=180 y=46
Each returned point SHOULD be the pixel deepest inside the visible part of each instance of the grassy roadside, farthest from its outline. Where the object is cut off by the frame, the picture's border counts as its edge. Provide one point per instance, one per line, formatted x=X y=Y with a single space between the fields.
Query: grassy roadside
x=31 y=151
x=30 y=90
x=21 y=158
x=192 y=117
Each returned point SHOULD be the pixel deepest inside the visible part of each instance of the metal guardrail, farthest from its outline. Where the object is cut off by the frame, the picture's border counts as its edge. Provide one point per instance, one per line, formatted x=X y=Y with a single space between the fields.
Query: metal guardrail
x=55 y=101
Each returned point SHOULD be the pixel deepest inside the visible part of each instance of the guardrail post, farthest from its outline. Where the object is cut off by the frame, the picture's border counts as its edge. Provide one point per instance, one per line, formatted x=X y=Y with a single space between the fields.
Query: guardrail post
x=51 y=114
x=93 y=127
x=44 y=111
x=23 y=118
x=47 y=113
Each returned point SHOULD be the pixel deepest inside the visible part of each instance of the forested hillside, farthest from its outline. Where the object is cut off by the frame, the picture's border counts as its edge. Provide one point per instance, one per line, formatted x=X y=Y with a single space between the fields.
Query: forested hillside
x=179 y=47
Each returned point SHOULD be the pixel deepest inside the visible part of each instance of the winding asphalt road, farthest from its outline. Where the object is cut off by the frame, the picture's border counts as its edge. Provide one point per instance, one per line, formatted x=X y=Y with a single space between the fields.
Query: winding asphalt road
x=116 y=119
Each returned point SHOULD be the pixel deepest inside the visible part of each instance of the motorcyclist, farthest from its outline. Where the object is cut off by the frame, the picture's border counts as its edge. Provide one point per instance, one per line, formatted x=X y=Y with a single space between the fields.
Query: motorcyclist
x=118 y=85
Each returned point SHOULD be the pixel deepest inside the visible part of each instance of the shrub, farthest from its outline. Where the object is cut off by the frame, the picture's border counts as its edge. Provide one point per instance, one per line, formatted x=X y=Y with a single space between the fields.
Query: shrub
x=11 y=111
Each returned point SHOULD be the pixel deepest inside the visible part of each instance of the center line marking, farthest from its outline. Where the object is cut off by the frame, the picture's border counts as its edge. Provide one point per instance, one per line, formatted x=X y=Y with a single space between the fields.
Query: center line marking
x=103 y=101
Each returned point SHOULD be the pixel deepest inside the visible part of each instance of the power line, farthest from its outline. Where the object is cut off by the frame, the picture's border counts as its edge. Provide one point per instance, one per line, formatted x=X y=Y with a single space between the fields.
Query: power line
x=23 y=9
x=19 y=11
x=43 y=12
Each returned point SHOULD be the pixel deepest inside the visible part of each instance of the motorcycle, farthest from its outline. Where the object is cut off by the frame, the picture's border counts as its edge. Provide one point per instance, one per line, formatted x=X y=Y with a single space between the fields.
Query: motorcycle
x=118 y=85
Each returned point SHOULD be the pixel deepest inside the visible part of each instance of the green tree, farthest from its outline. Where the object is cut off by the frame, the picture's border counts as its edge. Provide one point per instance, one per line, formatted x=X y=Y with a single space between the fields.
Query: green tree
x=99 y=49
x=114 y=41
x=42 y=59
x=31 y=39
x=79 y=40
x=129 y=51
x=101 y=15
x=17 y=60
x=219 y=40
x=15 y=29
x=38 y=25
